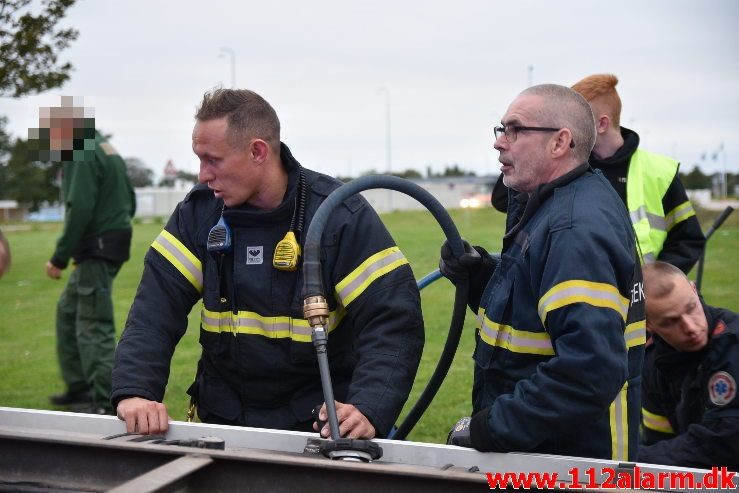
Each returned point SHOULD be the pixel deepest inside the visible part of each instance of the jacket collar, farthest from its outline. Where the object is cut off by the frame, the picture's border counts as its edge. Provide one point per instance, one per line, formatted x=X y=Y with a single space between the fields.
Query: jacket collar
x=531 y=203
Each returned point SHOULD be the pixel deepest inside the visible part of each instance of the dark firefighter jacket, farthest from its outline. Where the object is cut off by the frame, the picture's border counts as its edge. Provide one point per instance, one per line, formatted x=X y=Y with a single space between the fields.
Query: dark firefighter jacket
x=690 y=414
x=258 y=366
x=685 y=241
x=561 y=324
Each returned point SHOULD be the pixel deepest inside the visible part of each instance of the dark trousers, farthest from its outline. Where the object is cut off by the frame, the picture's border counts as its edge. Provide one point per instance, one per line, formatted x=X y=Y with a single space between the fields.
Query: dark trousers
x=85 y=330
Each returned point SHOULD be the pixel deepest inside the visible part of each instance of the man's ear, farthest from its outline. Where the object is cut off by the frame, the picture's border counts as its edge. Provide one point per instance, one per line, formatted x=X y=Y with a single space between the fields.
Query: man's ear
x=602 y=123
x=258 y=151
x=562 y=142
x=692 y=285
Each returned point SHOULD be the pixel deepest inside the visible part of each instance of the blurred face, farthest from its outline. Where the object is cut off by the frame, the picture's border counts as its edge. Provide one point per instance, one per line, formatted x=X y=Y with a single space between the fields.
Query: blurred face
x=678 y=317
x=228 y=171
x=525 y=164
x=61 y=134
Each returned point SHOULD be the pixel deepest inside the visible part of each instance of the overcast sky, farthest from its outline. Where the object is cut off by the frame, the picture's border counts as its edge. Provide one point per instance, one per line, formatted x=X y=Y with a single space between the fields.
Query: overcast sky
x=450 y=69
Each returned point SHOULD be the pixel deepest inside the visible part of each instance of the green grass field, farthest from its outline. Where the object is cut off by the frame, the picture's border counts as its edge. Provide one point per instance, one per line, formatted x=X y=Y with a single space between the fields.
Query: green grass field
x=28 y=300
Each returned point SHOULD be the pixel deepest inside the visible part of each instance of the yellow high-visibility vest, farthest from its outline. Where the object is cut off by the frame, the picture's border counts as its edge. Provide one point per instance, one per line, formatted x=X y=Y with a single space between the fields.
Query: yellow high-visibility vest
x=649 y=177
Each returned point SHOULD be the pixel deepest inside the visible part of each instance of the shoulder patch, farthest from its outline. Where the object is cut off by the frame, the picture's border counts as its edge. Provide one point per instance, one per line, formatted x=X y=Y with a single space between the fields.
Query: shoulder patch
x=108 y=149
x=719 y=328
x=721 y=388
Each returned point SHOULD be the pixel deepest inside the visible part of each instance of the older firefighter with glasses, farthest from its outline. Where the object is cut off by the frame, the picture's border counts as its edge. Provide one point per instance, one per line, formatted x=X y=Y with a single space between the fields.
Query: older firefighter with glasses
x=648 y=184
x=561 y=333
x=234 y=242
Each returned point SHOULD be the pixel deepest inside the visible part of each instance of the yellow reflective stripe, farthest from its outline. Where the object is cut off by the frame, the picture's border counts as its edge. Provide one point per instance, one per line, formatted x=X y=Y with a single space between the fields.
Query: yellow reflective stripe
x=618 y=414
x=180 y=257
x=514 y=340
x=636 y=334
x=580 y=291
x=656 y=422
x=274 y=327
x=679 y=214
x=368 y=271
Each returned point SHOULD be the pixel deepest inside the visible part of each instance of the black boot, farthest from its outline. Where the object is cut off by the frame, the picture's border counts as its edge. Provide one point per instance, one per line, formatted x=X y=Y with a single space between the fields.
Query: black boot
x=69 y=398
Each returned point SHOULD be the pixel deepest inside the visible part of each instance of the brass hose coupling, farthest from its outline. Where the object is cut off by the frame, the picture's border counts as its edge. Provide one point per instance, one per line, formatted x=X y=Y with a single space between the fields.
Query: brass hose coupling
x=315 y=310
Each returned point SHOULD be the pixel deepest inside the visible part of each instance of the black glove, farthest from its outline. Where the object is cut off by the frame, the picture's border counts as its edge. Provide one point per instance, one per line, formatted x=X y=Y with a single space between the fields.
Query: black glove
x=457 y=268
x=316 y=411
x=460 y=434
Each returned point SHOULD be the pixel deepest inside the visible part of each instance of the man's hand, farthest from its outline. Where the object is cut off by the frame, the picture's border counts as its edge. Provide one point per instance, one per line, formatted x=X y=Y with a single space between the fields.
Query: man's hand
x=352 y=423
x=143 y=416
x=53 y=271
x=457 y=268
x=460 y=434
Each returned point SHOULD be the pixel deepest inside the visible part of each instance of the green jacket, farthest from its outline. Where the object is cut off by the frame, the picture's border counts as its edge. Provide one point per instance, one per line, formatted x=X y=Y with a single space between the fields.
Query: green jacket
x=99 y=204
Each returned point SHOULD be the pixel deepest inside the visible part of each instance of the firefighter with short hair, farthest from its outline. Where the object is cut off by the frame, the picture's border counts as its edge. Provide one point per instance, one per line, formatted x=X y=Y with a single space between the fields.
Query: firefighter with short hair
x=690 y=409
x=561 y=333
x=234 y=242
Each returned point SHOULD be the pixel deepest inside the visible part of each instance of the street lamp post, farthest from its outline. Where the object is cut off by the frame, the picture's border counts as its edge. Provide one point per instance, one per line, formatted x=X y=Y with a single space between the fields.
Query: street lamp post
x=232 y=56
x=722 y=149
x=387 y=127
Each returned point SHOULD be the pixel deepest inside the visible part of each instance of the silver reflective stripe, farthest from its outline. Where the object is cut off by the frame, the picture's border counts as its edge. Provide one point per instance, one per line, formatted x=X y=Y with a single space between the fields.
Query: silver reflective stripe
x=349 y=292
x=619 y=426
x=180 y=257
x=679 y=214
x=635 y=334
x=655 y=221
x=578 y=291
x=276 y=327
x=648 y=258
x=514 y=340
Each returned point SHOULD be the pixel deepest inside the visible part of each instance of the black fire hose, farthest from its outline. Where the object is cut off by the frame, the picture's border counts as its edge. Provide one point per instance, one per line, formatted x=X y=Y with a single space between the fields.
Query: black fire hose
x=313 y=280
x=716 y=224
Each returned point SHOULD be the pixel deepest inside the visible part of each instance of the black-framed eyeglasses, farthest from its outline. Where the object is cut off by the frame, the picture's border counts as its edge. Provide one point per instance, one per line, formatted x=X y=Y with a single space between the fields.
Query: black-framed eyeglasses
x=511 y=131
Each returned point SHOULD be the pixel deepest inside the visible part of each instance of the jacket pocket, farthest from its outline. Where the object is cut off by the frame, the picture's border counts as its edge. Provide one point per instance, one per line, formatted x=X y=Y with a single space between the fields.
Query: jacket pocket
x=217 y=402
x=94 y=304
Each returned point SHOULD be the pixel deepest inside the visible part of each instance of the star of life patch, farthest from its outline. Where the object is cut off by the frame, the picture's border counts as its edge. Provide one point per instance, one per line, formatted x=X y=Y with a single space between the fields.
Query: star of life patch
x=254 y=255
x=721 y=388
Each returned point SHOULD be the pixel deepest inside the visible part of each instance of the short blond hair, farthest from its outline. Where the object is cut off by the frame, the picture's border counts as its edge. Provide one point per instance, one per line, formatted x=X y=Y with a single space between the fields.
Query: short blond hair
x=660 y=278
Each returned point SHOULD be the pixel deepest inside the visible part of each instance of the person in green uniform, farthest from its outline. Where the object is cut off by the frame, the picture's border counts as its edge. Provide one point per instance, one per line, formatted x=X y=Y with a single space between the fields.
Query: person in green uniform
x=4 y=255
x=99 y=204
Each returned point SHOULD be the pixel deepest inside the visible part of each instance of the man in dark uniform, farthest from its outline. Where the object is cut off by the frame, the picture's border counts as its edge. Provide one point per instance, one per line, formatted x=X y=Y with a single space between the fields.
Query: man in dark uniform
x=99 y=204
x=561 y=332
x=663 y=218
x=258 y=367
x=690 y=414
